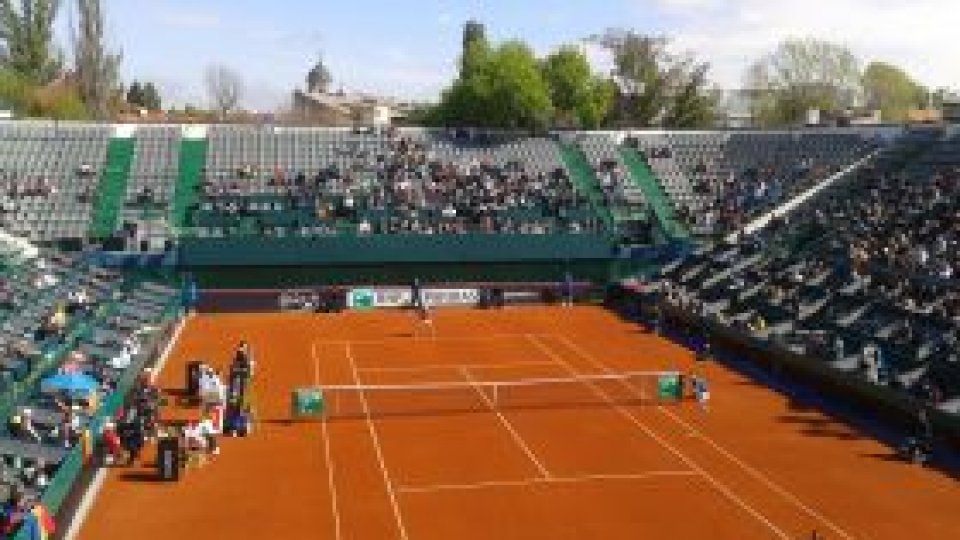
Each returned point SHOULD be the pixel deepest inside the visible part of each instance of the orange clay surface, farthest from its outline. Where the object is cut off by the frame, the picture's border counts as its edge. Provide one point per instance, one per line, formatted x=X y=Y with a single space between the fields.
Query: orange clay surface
x=755 y=466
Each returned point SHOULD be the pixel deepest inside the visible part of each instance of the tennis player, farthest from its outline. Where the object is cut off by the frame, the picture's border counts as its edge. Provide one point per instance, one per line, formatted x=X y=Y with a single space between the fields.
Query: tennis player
x=419 y=303
x=702 y=392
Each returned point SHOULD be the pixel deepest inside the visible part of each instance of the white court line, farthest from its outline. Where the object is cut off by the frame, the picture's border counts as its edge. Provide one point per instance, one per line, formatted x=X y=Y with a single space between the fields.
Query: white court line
x=377 y=447
x=627 y=414
x=764 y=479
x=329 y=457
x=440 y=367
x=434 y=488
x=406 y=339
x=506 y=423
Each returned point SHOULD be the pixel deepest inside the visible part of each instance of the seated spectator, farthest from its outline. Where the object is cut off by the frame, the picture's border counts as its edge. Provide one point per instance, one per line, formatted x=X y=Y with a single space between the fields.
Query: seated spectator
x=13 y=512
x=112 y=445
x=23 y=428
x=212 y=390
x=34 y=475
x=207 y=430
x=757 y=324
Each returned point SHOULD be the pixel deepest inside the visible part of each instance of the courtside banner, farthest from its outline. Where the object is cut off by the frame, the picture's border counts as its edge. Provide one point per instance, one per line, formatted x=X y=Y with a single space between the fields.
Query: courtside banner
x=402 y=297
x=361 y=299
x=522 y=297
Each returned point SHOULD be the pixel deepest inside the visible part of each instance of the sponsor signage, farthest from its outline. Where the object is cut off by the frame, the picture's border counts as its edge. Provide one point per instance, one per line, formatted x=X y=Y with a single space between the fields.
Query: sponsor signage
x=361 y=299
x=402 y=297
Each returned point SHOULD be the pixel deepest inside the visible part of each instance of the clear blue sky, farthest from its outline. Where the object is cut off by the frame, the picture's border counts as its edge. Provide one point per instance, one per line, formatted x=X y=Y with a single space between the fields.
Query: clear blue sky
x=409 y=48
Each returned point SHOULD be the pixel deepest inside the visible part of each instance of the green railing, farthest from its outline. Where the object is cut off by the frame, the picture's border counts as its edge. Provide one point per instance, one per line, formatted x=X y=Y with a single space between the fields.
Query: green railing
x=645 y=179
x=585 y=181
x=112 y=188
x=193 y=158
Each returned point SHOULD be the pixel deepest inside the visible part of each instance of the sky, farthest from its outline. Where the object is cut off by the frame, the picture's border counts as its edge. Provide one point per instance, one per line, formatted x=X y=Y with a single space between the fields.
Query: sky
x=409 y=48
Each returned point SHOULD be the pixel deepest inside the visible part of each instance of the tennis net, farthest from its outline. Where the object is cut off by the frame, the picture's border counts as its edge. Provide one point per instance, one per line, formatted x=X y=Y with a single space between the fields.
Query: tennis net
x=383 y=400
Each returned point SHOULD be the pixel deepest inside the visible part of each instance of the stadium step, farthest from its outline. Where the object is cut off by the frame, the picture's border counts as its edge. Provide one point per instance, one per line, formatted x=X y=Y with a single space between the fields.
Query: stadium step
x=643 y=177
x=193 y=157
x=112 y=187
x=586 y=181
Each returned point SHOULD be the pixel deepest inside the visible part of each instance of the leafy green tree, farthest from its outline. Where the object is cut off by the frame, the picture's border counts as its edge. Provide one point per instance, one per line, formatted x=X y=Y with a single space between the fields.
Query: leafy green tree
x=135 y=94
x=151 y=97
x=579 y=98
x=692 y=105
x=26 y=32
x=594 y=112
x=506 y=89
x=15 y=92
x=800 y=75
x=892 y=90
x=655 y=86
x=567 y=73
x=518 y=94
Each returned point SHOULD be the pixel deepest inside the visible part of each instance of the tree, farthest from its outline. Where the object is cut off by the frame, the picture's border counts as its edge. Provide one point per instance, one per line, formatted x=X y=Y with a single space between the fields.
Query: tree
x=579 y=98
x=655 y=86
x=800 y=75
x=594 y=111
x=60 y=101
x=505 y=90
x=225 y=88
x=135 y=94
x=892 y=90
x=692 y=105
x=517 y=85
x=144 y=96
x=151 y=97
x=97 y=70
x=15 y=91
x=26 y=32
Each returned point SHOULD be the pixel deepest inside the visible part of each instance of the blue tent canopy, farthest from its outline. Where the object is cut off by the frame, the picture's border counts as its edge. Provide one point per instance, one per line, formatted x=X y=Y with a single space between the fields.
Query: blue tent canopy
x=78 y=383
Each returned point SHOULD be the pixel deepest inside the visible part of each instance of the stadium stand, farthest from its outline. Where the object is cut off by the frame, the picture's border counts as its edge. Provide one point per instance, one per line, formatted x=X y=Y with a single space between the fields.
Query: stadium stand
x=620 y=193
x=720 y=180
x=329 y=182
x=49 y=175
x=62 y=317
x=862 y=278
x=154 y=173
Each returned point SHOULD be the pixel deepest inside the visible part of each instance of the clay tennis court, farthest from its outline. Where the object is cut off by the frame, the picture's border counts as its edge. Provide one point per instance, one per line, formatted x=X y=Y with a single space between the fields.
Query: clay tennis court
x=757 y=465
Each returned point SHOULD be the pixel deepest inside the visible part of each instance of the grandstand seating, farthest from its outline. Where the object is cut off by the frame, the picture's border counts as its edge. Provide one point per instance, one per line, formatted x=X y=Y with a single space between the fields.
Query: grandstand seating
x=119 y=309
x=721 y=180
x=321 y=182
x=869 y=262
x=328 y=182
x=155 y=168
x=619 y=191
x=49 y=174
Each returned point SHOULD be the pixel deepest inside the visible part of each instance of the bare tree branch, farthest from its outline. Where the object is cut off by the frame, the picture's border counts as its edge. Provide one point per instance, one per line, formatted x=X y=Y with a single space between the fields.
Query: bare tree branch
x=225 y=88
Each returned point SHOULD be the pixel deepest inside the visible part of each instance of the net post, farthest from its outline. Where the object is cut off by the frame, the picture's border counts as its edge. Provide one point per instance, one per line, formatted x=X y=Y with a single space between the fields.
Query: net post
x=496 y=395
